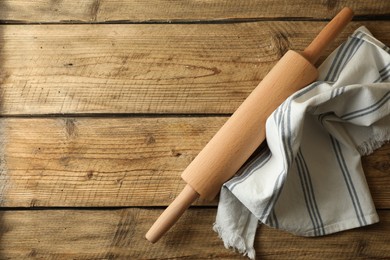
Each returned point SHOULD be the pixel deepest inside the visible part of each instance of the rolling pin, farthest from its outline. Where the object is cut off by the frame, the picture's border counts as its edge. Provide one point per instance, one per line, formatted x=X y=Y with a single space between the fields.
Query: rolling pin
x=244 y=131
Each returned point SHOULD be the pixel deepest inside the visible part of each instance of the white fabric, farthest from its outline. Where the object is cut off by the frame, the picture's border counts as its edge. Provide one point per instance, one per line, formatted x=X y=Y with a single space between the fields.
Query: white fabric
x=308 y=179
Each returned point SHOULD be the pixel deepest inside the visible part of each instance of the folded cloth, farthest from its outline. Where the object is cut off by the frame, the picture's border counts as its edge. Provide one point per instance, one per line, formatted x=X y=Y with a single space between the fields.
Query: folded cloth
x=308 y=179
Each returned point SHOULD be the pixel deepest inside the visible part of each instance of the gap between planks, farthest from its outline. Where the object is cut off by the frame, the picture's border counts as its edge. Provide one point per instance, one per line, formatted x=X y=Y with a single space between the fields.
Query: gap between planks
x=356 y=18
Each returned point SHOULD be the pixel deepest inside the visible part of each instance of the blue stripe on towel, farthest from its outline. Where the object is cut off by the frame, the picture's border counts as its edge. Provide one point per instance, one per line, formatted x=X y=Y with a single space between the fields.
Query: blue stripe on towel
x=307 y=188
x=367 y=110
x=348 y=181
x=353 y=45
x=255 y=165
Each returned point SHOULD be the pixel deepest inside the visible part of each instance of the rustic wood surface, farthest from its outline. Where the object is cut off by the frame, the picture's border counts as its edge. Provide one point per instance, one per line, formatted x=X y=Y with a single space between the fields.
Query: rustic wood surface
x=115 y=234
x=128 y=161
x=104 y=103
x=146 y=68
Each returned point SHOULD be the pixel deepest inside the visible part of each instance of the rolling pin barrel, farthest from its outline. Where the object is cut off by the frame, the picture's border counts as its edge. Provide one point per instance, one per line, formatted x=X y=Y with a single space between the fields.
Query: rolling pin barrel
x=244 y=131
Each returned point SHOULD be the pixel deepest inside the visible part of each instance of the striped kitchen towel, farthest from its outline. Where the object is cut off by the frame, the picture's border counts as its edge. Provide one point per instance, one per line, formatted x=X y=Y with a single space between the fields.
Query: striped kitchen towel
x=308 y=179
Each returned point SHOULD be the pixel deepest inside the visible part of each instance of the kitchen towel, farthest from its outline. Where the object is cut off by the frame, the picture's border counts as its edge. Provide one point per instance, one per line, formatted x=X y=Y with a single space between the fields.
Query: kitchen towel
x=308 y=179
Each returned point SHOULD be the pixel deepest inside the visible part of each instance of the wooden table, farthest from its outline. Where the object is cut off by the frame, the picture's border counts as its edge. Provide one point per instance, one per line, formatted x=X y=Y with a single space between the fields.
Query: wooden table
x=104 y=103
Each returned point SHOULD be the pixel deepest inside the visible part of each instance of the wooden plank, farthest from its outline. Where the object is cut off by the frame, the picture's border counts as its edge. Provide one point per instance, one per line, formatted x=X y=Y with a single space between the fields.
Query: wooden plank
x=162 y=11
x=377 y=169
x=181 y=68
x=100 y=161
x=119 y=234
x=126 y=161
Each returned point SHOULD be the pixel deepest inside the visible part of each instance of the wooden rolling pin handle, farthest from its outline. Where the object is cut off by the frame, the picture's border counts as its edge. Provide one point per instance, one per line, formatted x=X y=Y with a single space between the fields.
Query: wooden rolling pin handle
x=313 y=52
x=171 y=214
x=189 y=194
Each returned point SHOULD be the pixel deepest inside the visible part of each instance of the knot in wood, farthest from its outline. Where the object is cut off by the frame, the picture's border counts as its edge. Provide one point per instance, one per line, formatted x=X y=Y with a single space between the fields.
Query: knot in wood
x=281 y=43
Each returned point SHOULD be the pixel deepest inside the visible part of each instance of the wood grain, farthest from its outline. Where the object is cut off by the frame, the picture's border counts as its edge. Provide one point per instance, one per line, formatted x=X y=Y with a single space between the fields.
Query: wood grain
x=129 y=161
x=23 y=11
x=181 y=68
x=98 y=161
x=157 y=57
x=119 y=234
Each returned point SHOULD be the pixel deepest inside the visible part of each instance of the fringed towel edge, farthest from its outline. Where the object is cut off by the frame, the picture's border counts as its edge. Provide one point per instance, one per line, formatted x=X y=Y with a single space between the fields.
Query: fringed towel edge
x=374 y=142
x=234 y=241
